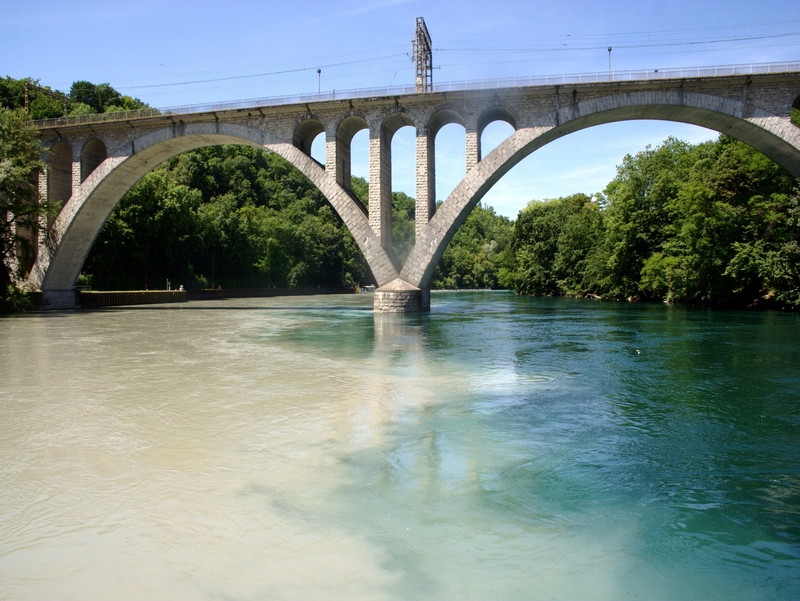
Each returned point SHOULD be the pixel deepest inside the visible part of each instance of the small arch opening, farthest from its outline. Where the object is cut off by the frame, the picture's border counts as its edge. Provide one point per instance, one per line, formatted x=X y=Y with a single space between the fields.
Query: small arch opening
x=318 y=152
x=93 y=153
x=403 y=190
x=499 y=120
x=59 y=181
x=447 y=139
x=451 y=163
x=493 y=135
x=496 y=113
x=443 y=118
x=359 y=166
x=353 y=133
x=305 y=133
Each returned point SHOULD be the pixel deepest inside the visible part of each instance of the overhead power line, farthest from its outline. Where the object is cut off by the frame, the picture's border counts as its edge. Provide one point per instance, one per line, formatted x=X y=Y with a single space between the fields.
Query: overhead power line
x=566 y=47
x=253 y=75
x=662 y=32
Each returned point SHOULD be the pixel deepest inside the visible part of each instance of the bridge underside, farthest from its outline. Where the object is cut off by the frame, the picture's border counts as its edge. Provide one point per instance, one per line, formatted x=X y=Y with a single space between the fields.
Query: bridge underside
x=93 y=169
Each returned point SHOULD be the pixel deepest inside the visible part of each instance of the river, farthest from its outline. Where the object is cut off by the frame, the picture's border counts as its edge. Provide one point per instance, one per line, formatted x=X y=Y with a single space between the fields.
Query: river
x=303 y=448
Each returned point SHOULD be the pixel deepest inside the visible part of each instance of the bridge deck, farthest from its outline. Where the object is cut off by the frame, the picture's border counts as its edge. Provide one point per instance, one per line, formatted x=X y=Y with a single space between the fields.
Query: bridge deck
x=546 y=83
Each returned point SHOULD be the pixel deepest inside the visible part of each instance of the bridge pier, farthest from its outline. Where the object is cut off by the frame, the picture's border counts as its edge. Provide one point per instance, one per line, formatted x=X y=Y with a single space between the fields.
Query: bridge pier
x=398 y=296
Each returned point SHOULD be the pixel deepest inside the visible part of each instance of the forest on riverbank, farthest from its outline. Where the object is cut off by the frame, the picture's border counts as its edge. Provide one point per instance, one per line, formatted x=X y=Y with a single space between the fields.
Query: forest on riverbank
x=711 y=224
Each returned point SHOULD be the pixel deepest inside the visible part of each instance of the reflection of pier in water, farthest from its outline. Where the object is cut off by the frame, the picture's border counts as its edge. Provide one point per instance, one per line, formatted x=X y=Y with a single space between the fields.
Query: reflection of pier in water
x=411 y=390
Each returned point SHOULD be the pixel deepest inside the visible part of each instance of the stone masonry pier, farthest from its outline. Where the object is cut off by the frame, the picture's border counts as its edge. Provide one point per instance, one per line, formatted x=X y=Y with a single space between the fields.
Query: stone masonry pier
x=93 y=165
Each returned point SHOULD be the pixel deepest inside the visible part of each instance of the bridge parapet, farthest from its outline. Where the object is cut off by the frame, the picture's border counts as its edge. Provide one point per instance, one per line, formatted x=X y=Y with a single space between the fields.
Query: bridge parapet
x=640 y=75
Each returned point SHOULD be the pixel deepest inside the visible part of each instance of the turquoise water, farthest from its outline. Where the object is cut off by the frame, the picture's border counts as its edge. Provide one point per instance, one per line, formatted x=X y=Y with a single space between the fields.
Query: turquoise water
x=498 y=447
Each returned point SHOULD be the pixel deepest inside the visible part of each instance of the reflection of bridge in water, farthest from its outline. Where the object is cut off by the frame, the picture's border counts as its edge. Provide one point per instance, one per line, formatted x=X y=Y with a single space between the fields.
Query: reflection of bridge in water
x=95 y=160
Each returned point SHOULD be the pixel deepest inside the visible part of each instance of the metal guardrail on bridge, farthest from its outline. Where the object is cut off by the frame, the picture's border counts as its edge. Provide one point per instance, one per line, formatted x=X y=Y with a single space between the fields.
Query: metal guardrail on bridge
x=456 y=86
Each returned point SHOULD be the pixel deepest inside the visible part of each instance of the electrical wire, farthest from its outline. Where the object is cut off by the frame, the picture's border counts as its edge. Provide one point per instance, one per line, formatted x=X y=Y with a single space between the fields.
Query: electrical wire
x=473 y=50
x=595 y=58
x=250 y=76
x=547 y=46
x=652 y=33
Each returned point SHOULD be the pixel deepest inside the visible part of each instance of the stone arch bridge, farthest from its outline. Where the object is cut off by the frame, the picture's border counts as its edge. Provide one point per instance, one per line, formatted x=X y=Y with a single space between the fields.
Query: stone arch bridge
x=93 y=165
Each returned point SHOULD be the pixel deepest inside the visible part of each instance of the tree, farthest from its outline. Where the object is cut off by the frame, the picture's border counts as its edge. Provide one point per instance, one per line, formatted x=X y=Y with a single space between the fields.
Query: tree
x=403 y=226
x=43 y=103
x=479 y=255
x=554 y=243
x=86 y=98
x=20 y=208
x=725 y=220
x=715 y=223
x=243 y=216
x=96 y=96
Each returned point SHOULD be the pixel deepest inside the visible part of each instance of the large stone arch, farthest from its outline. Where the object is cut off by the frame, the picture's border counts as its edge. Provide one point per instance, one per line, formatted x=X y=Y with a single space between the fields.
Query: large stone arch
x=773 y=136
x=74 y=231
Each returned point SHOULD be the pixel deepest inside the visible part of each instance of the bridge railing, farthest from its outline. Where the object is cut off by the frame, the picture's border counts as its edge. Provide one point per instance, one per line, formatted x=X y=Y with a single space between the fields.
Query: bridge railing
x=455 y=86
x=613 y=76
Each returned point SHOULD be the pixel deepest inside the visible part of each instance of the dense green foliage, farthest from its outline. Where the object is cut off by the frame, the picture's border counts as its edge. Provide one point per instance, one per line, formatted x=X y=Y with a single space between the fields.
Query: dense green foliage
x=479 y=255
x=717 y=223
x=232 y=214
x=403 y=234
x=20 y=212
x=403 y=211
x=84 y=98
x=554 y=245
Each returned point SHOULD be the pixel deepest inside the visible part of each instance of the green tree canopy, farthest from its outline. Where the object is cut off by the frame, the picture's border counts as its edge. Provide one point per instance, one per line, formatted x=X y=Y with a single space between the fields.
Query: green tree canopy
x=713 y=223
x=20 y=211
x=43 y=103
x=554 y=244
x=479 y=255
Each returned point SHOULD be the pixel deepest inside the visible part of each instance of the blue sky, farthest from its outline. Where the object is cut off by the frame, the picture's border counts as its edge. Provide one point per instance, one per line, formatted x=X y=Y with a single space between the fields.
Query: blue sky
x=237 y=50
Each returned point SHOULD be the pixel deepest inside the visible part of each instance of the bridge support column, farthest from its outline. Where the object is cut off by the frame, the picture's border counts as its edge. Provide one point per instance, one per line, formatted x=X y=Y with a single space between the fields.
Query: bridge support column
x=426 y=182
x=473 y=148
x=333 y=151
x=380 y=185
x=398 y=296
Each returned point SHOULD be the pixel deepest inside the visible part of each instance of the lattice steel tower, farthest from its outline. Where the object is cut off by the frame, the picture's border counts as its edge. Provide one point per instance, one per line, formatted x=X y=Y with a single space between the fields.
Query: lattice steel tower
x=423 y=57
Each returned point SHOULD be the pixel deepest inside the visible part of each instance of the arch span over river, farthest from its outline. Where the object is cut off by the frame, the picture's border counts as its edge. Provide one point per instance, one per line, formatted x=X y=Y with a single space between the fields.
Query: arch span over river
x=93 y=164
